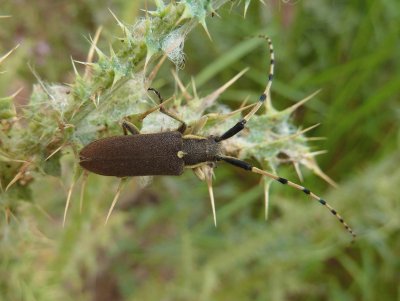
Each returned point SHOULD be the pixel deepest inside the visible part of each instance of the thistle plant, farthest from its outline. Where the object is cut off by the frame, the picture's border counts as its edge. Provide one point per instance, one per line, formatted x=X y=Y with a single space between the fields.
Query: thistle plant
x=62 y=117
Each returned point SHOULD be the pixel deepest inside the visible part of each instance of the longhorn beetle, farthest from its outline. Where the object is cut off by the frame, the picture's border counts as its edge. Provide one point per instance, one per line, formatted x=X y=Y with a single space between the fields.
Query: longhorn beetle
x=168 y=153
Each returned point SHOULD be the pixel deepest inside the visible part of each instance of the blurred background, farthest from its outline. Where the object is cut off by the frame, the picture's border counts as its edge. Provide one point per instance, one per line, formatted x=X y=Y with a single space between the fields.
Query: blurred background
x=160 y=243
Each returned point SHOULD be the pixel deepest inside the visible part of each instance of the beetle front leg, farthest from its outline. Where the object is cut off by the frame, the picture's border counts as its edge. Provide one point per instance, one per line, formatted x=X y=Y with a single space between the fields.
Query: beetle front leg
x=127 y=126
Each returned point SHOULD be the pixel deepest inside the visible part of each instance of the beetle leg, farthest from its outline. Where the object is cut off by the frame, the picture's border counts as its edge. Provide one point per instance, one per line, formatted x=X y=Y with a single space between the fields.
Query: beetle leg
x=182 y=128
x=157 y=93
x=127 y=126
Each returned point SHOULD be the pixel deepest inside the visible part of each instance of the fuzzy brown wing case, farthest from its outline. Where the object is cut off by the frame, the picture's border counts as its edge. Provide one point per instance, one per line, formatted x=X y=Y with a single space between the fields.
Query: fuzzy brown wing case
x=135 y=155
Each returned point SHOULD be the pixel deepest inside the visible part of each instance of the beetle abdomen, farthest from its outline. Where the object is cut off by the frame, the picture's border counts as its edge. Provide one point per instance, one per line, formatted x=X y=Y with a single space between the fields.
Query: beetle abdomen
x=135 y=155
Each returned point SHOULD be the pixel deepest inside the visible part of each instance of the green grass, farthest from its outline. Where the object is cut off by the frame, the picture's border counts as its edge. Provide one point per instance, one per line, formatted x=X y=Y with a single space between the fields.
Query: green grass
x=160 y=242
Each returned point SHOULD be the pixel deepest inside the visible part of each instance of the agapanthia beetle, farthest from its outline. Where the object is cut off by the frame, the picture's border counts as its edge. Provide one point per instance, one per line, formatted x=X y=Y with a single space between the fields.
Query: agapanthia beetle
x=169 y=153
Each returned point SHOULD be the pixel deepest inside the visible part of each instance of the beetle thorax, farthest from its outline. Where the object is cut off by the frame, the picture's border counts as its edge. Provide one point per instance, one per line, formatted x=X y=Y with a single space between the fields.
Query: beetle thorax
x=198 y=150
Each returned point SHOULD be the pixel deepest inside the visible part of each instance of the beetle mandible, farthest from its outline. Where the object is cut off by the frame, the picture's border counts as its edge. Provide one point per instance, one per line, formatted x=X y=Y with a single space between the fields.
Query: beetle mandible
x=169 y=153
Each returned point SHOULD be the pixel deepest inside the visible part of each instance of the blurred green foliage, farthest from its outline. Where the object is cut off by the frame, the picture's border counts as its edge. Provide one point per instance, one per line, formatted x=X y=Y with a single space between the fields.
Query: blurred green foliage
x=160 y=243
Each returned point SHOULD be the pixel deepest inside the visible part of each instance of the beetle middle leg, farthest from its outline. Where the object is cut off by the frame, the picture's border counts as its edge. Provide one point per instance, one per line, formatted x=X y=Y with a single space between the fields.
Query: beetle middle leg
x=182 y=128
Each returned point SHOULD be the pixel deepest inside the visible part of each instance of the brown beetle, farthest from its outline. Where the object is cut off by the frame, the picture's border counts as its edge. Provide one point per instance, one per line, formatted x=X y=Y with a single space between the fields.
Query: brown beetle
x=168 y=153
